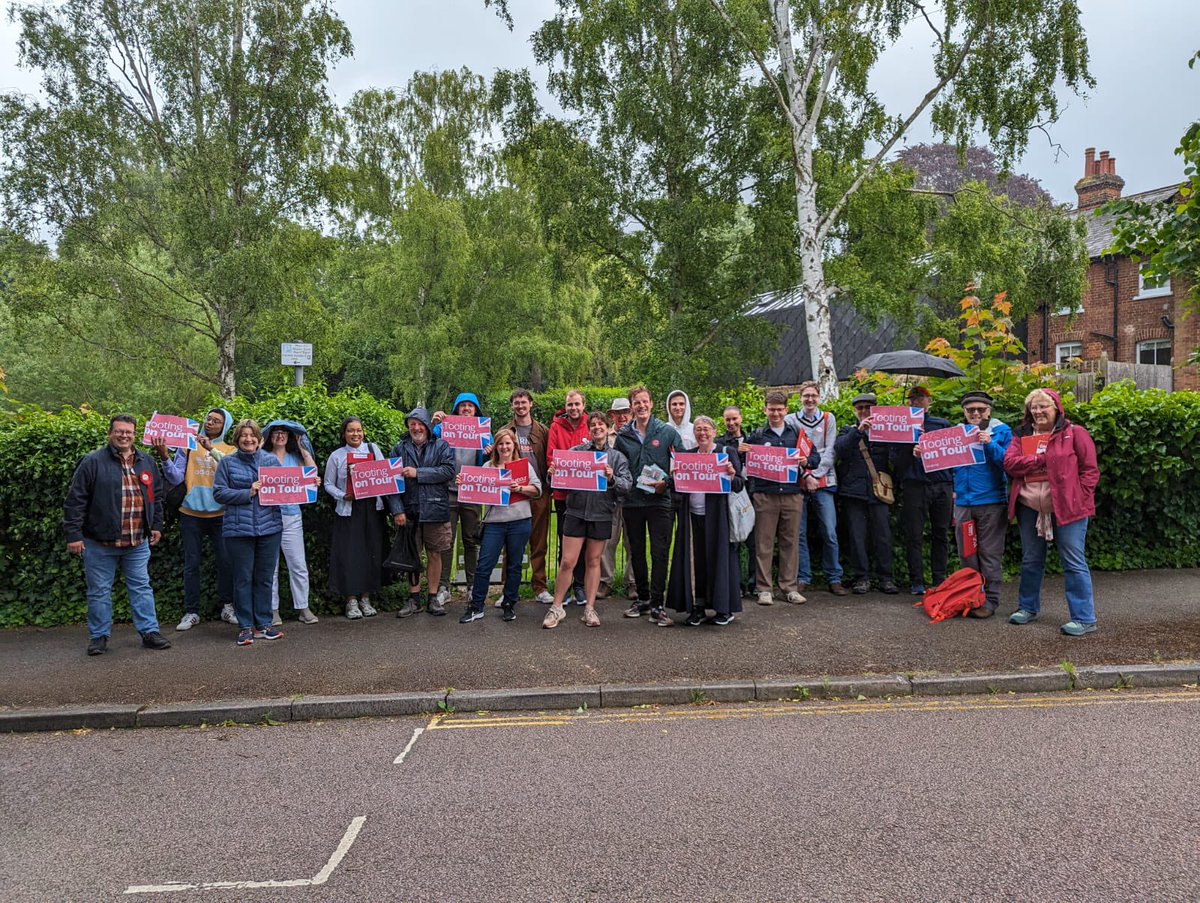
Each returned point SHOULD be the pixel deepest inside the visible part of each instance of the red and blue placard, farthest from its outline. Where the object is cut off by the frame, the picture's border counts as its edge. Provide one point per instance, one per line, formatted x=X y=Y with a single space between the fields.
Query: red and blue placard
x=467 y=432
x=372 y=479
x=701 y=473
x=287 y=485
x=484 y=486
x=580 y=470
x=175 y=432
x=896 y=424
x=956 y=447
x=774 y=464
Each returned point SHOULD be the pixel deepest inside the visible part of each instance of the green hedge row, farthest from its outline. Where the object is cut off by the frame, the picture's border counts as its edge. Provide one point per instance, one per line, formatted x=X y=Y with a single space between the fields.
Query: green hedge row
x=1148 y=501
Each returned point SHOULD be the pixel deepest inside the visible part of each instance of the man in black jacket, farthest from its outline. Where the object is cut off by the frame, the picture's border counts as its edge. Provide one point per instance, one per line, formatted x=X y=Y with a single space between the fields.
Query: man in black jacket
x=111 y=518
x=864 y=514
x=924 y=497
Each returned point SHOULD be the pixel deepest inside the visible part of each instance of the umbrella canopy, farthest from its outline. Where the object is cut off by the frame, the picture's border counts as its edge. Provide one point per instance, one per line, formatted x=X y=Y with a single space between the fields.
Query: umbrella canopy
x=912 y=363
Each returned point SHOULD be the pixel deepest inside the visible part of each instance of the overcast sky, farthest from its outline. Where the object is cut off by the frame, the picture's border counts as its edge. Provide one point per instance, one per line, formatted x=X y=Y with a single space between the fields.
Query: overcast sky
x=1143 y=101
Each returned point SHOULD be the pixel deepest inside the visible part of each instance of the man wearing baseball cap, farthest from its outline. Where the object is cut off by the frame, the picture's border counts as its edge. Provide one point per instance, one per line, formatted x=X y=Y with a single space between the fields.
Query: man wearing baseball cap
x=620 y=413
x=924 y=498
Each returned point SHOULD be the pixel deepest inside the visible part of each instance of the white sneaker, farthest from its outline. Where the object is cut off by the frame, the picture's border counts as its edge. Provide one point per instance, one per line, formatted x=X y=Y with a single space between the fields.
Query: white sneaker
x=796 y=599
x=188 y=621
x=544 y=597
x=306 y=616
x=353 y=612
x=443 y=596
x=499 y=603
x=765 y=598
x=228 y=615
x=368 y=610
x=276 y=621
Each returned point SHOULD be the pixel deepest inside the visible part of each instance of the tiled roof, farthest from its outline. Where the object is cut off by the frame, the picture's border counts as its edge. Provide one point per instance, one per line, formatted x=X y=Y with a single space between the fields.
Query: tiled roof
x=1099 y=228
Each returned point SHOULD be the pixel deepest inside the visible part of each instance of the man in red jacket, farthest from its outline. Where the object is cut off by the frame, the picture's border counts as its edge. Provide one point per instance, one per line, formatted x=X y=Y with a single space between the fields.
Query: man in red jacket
x=567 y=430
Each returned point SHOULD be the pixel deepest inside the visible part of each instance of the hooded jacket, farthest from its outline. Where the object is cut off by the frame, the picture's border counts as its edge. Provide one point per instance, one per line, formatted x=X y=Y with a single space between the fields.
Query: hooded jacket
x=985 y=484
x=661 y=438
x=463 y=457
x=687 y=434
x=244 y=516
x=1069 y=461
x=198 y=468
x=290 y=460
x=564 y=437
x=427 y=498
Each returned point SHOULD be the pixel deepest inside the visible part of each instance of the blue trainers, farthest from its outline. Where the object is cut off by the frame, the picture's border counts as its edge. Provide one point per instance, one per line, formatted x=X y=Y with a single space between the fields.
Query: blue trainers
x=917 y=589
x=245 y=637
x=1022 y=616
x=1075 y=628
x=267 y=633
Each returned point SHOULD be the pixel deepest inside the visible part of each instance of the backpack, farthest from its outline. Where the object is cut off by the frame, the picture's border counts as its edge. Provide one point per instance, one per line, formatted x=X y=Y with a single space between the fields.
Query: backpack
x=960 y=593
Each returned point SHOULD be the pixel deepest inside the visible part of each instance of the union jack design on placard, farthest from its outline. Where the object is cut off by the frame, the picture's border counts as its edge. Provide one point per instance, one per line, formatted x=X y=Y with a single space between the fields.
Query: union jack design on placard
x=310 y=491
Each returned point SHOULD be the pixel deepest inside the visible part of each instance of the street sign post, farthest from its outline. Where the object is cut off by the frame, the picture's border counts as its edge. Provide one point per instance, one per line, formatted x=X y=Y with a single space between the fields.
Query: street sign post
x=297 y=355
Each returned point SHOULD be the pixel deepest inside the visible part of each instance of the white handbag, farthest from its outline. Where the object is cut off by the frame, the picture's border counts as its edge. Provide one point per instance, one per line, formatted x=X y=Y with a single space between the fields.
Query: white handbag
x=741 y=516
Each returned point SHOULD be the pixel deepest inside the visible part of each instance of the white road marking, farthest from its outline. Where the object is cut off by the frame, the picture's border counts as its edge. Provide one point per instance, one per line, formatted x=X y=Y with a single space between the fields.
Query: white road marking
x=319 y=878
x=412 y=742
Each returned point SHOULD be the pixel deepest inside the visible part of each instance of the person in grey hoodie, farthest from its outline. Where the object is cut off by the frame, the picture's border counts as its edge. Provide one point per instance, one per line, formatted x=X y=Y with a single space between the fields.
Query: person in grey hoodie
x=465 y=405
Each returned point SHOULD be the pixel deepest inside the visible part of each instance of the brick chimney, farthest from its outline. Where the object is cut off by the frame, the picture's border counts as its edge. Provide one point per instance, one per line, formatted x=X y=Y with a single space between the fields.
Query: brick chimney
x=1100 y=182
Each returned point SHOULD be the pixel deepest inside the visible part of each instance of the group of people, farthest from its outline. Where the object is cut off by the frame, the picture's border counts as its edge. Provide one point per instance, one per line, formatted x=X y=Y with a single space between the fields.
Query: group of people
x=114 y=513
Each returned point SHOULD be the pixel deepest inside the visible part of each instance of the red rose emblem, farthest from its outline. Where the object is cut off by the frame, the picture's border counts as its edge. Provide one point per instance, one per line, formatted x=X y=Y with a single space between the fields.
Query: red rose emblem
x=654 y=442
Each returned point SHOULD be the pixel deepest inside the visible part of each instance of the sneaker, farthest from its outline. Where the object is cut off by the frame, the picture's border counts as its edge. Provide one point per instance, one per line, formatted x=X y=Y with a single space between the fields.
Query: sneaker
x=98 y=645
x=1075 y=628
x=631 y=593
x=305 y=616
x=276 y=621
x=889 y=587
x=443 y=597
x=188 y=621
x=796 y=598
x=411 y=607
x=722 y=620
x=155 y=640
x=353 y=612
x=695 y=619
x=604 y=591
x=367 y=609
x=245 y=637
x=660 y=618
x=436 y=605
x=861 y=587
x=509 y=613
x=838 y=590
x=765 y=598
x=228 y=615
x=544 y=597
x=472 y=614
x=499 y=603
x=580 y=598
x=1022 y=616
x=637 y=609
x=553 y=617
x=917 y=589
x=268 y=633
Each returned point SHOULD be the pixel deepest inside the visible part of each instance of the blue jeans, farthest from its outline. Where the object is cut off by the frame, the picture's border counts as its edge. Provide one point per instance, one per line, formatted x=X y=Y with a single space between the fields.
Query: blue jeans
x=1070 y=540
x=100 y=565
x=253 y=560
x=192 y=533
x=822 y=504
x=512 y=537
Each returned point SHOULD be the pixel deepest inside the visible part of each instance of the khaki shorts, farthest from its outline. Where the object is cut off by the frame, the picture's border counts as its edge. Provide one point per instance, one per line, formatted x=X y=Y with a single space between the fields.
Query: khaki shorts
x=435 y=537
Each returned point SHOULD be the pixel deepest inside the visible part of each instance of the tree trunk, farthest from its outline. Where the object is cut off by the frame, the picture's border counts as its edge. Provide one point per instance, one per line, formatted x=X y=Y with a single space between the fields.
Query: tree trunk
x=226 y=358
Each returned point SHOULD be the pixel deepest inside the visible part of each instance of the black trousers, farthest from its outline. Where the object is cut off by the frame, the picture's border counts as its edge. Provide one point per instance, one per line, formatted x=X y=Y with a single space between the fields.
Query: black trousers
x=865 y=519
x=932 y=502
x=658 y=522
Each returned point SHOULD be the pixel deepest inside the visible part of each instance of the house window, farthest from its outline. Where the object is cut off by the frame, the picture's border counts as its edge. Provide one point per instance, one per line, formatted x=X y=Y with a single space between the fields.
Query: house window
x=1064 y=351
x=1157 y=351
x=1150 y=287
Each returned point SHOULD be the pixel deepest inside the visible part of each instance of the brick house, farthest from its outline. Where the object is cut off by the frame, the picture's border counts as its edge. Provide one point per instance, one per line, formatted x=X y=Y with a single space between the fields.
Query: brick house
x=1121 y=316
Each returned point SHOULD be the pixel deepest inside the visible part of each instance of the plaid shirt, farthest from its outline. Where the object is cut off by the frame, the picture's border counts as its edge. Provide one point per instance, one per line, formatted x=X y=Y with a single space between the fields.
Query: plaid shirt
x=132 y=507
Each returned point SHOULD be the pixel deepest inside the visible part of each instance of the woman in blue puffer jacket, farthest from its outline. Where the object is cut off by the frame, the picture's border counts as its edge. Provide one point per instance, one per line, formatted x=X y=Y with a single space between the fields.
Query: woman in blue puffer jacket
x=252 y=532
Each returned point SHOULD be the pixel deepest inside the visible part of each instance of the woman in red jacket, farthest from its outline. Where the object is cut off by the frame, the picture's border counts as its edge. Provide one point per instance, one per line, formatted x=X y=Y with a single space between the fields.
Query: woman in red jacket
x=1052 y=465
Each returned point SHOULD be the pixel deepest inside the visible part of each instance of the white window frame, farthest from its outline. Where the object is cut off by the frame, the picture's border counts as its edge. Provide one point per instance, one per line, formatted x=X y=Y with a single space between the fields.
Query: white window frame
x=1059 y=359
x=1156 y=345
x=1151 y=291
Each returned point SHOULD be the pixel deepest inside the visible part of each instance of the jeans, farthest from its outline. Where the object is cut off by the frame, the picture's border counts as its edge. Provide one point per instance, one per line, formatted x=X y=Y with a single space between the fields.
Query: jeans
x=511 y=537
x=1070 y=539
x=658 y=521
x=933 y=502
x=253 y=560
x=291 y=545
x=824 y=503
x=100 y=565
x=192 y=533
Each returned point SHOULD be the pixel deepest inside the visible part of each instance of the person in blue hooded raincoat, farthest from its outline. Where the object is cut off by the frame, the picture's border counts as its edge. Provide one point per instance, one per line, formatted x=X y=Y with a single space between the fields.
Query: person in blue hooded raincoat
x=288 y=441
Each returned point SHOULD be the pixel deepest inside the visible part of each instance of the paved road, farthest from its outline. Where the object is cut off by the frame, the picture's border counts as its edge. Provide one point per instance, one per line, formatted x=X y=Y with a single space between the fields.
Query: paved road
x=1144 y=617
x=1086 y=796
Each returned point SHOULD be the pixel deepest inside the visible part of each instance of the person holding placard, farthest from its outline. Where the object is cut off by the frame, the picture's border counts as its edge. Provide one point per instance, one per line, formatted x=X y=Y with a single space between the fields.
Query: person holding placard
x=465 y=405
x=1052 y=465
x=428 y=472
x=778 y=506
x=703 y=552
x=980 y=499
x=358 y=544
x=532 y=437
x=620 y=413
x=732 y=438
x=587 y=523
x=925 y=498
x=567 y=430
x=252 y=532
x=506 y=528
x=866 y=515
x=288 y=441
x=200 y=515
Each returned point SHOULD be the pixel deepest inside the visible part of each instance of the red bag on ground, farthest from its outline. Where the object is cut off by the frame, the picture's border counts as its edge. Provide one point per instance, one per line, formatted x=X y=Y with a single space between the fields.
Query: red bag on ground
x=960 y=593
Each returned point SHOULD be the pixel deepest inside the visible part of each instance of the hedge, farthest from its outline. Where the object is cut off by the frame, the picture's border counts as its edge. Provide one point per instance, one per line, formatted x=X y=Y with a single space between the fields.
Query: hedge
x=1148 y=506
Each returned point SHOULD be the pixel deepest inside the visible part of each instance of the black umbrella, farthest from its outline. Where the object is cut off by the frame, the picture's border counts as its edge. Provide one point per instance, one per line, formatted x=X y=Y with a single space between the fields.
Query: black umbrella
x=912 y=363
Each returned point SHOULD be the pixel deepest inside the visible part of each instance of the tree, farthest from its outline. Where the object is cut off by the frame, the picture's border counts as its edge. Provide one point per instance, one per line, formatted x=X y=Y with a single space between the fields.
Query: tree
x=941 y=168
x=169 y=157
x=994 y=65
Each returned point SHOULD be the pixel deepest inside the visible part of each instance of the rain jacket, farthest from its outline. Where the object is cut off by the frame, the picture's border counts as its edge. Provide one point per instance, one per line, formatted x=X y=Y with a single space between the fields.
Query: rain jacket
x=427 y=498
x=1069 y=461
x=563 y=437
x=661 y=438
x=985 y=484
x=463 y=457
x=244 y=516
x=290 y=460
